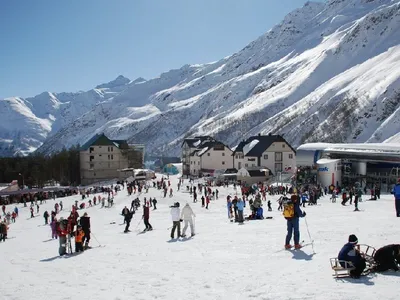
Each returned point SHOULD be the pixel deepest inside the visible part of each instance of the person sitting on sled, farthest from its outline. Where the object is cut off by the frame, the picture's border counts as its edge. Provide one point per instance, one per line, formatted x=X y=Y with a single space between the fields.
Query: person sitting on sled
x=350 y=253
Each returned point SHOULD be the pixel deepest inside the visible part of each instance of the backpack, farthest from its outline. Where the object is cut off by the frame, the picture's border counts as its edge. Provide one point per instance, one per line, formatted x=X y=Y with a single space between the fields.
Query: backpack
x=288 y=209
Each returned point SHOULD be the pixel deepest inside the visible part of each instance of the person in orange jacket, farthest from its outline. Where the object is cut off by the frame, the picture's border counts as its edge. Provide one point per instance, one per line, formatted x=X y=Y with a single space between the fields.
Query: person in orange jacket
x=78 y=239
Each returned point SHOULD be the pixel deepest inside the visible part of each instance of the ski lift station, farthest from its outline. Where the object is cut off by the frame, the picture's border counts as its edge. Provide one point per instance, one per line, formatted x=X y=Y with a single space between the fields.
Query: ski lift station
x=343 y=164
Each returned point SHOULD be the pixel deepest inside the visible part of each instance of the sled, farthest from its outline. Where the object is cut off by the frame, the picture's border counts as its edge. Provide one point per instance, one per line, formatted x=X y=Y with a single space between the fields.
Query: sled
x=340 y=271
x=368 y=253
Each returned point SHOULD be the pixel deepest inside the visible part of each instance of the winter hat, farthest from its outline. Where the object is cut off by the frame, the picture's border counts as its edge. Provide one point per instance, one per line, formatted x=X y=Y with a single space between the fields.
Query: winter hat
x=353 y=239
x=398 y=180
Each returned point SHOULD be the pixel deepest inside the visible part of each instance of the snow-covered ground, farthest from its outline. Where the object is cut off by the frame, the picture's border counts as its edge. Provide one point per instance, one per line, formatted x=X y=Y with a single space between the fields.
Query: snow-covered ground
x=223 y=261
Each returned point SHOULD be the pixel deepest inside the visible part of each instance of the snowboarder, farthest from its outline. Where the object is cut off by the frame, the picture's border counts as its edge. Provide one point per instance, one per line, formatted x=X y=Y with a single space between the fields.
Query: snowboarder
x=85 y=225
x=350 y=253
x=292 y=213
x=187 y=215
x=396 y=193
x=176 y=220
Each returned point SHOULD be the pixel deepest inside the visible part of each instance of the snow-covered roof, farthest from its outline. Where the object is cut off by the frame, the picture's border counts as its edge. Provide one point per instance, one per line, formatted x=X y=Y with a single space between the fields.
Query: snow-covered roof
x=202 y=151
x=393 y=148
x=247 y=148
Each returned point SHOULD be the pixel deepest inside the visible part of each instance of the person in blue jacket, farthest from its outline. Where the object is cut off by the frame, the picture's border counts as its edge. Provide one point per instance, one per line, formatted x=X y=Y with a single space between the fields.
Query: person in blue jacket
x=351 y=254
x=293 y=223
x=396 y=193
x=240 y=207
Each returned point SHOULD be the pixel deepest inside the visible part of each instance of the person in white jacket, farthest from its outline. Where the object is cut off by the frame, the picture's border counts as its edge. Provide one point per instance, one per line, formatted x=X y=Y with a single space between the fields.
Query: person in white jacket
x=187 y=216
x=176 y=220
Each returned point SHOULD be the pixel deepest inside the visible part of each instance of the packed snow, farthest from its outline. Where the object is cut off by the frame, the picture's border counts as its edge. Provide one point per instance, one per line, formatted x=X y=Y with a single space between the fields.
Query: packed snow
x=222 y=261
x=248 y=147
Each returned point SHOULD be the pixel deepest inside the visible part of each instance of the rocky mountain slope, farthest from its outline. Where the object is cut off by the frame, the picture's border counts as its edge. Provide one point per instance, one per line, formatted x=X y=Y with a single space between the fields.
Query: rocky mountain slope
x=328 y=72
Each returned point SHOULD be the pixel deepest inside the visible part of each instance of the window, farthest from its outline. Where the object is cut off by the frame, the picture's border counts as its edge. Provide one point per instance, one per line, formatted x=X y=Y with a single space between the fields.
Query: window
x=191 y=162
x=253 y=165
x=265 y=156
x=278 y=167
x=208 y=154
x=278 y=156
x=109 y=156
x=290 y=156
x=91 y=157
x=112 y=149
x=223 y=162
x=245 y=165
x=251 y=159
x=239 y=165
x=99 y=154
x=109 y=165
x=223 y=153
x=91 y=167
x=91 y=149
x=199 y=163
x=283 y=145
x=112 y=156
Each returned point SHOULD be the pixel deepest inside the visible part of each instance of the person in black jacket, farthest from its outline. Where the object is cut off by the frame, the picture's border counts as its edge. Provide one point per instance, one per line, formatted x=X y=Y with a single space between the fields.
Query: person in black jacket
x=85 y=223
x=128 y=218
x=125 y=212
x=387 y=257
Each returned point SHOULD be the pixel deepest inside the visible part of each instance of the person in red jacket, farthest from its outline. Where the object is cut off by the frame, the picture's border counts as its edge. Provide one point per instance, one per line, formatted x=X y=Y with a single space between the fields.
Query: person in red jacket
x=146 y=217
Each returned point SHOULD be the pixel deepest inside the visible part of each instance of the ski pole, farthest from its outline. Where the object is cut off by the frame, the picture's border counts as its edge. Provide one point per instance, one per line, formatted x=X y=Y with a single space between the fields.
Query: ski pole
x=309 y=235
x=96 y=239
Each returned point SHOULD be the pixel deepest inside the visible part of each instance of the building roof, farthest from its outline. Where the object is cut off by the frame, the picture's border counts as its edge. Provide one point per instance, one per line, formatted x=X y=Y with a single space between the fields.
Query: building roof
x=205 y=147
x=102 y=140
x=256 y=145
x=197 y=139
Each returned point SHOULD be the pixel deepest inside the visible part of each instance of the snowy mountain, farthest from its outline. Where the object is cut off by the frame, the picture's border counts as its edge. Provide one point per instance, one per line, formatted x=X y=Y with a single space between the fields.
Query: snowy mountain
x=329 y=72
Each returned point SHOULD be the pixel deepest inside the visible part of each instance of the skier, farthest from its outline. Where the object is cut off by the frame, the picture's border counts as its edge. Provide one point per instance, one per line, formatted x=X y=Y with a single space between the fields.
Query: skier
x=351 y=254
x=85 y=225
x=128 y=218
x=154 y=204
x=32 y=216
x=240 y=208
x=187 y=215
x=37 y=208
x=176 y=220
x=292 y=213
x=46 y=217
x=61 y=205
x=125 y=213
x=62 y=232
x=79 y=236
x=53 y=228
x=16 y=211
x=387 y=257
x=269 y=205
x=3 y=231
x=396 y=193
x=146 y=217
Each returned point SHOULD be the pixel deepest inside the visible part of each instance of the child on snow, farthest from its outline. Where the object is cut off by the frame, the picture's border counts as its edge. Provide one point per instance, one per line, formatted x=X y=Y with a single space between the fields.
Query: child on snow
x=78 y=239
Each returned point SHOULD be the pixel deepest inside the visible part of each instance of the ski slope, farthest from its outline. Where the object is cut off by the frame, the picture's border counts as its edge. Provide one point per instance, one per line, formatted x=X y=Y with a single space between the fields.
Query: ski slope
x=223 y=261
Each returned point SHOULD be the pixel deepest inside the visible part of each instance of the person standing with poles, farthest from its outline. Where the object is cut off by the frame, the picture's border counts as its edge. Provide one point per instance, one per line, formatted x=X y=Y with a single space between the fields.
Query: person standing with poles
x=188 y=216
x=85 y=223
x=127 y=218
x=292 y=213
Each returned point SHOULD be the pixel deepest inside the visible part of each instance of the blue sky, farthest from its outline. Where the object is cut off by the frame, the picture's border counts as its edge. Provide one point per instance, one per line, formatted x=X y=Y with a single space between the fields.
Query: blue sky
x=50 y=45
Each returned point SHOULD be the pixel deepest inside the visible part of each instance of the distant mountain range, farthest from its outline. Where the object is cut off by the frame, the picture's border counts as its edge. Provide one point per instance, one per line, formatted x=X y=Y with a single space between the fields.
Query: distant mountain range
x=329 y=72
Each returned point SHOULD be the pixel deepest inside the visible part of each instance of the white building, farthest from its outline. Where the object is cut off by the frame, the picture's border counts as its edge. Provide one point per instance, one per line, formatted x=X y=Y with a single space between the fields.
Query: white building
x=210 y=156
x=189 y=146
x=269 y=151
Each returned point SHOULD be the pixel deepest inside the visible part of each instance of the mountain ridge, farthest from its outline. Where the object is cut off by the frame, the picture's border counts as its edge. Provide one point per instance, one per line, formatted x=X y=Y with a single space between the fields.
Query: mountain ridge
x=328 y=72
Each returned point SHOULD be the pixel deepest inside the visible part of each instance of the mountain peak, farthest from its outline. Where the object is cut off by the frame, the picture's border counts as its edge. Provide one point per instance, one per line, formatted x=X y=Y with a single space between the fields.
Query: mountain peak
x=119 y=81
x=139 y=79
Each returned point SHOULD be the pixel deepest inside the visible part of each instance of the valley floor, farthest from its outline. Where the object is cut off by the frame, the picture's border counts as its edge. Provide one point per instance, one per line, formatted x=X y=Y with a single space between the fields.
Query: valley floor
x=223 y=261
